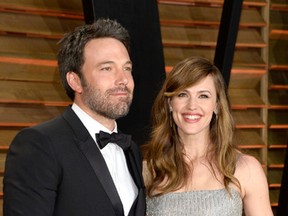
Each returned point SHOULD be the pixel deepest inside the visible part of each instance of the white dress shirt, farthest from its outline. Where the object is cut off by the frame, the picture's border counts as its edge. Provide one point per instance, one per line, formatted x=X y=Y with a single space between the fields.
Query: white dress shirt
x=115 y=160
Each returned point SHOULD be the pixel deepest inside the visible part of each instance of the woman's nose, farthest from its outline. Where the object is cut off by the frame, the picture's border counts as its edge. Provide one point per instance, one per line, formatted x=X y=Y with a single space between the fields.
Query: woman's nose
x=192 y=103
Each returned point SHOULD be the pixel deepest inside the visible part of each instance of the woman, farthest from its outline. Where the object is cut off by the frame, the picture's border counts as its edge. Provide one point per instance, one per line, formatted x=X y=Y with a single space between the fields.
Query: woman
x=191 y=165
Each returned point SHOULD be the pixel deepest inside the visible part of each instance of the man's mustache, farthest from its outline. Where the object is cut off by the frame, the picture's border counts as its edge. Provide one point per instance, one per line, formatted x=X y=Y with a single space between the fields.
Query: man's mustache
x=119 y=89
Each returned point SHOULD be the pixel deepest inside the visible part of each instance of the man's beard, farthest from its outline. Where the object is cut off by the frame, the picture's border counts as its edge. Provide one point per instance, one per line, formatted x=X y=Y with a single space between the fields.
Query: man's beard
x=102 y=104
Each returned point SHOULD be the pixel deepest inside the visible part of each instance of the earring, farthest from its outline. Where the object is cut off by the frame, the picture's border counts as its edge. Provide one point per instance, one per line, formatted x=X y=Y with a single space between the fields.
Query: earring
x=170 y=116
x=216 y=114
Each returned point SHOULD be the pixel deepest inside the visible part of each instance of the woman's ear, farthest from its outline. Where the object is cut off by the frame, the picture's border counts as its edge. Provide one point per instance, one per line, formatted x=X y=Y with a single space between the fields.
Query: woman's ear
x=74 y=82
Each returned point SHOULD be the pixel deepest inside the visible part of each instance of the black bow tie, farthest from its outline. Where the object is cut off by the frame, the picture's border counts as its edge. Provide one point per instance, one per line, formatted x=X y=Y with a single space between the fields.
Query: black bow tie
x=123 y=140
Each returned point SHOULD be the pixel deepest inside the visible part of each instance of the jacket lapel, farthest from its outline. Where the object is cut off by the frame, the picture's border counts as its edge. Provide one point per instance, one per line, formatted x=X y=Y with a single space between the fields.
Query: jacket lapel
x=100 y=168
x=134 y=165
x=88 y=147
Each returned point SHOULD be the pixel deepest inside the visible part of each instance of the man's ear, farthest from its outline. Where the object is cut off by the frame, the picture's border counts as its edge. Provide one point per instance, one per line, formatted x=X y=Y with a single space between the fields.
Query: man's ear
x=74 y=82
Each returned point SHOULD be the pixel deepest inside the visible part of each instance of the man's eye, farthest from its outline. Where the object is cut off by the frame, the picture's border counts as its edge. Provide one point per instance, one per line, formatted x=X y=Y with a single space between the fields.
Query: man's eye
x=127 y=69
x=106 y=68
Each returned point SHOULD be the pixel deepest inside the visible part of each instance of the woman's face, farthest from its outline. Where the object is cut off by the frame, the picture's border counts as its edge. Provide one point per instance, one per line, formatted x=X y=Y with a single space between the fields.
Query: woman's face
x=193 y=108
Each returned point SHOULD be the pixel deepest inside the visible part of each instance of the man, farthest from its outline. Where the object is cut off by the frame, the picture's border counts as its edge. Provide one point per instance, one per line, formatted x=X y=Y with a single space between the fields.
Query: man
x=59 y=167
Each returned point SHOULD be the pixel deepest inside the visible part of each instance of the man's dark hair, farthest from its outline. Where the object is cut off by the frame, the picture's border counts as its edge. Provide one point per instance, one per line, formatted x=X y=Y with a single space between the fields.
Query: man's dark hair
x=71 y=52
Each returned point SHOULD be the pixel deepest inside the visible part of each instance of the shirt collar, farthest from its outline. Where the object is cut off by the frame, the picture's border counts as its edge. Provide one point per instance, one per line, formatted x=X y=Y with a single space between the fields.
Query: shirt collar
x=91 y=124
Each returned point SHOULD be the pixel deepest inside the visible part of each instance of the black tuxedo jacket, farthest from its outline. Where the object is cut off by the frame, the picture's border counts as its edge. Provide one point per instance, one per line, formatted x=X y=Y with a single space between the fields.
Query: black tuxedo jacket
x=56 y=169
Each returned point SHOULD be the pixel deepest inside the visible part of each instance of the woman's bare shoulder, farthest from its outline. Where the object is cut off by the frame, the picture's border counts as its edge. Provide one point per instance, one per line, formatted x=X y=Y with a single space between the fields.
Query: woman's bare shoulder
x=246 y=161
x=249 y=172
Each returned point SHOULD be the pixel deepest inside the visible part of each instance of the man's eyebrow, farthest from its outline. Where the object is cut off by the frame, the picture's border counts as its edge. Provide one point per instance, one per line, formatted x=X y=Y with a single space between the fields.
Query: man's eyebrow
x=129 y=62
x=112 y=62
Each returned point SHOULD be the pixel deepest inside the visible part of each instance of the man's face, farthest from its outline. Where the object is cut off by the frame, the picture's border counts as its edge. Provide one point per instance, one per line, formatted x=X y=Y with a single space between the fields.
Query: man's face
x=107 y=78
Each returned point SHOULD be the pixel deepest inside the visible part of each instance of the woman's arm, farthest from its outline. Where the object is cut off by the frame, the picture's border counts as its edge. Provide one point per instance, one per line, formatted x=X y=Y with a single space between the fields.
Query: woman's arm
x=255 y=192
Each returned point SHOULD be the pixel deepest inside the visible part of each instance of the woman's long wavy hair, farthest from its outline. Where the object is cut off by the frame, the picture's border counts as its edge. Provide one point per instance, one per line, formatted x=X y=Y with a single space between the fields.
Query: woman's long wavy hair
x=164 y=155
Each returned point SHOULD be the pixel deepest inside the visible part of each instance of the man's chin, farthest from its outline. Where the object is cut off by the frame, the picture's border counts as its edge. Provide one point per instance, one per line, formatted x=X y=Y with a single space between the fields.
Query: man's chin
x=122 y=110
x=124 y=99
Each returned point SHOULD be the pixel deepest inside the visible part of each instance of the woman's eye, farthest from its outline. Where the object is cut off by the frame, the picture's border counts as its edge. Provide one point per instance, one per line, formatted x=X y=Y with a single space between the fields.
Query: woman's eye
x=203 y=96
x=182 y=94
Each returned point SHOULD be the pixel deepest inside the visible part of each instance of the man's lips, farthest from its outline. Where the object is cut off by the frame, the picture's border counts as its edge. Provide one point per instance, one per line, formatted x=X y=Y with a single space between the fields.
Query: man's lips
x=120 y=93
